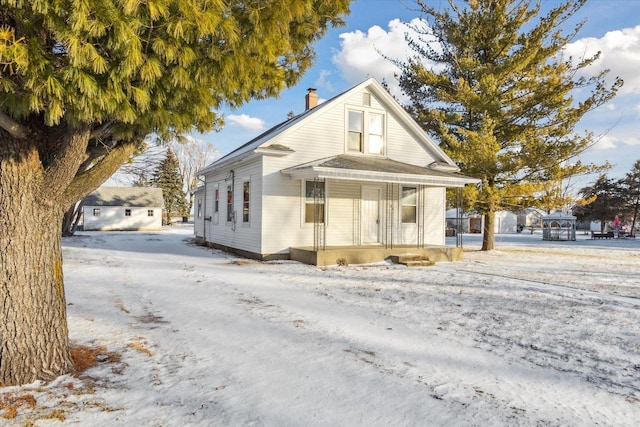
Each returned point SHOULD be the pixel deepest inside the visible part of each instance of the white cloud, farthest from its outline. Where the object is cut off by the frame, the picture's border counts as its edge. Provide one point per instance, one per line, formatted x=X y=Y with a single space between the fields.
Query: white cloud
x=323 y=81
x=620 y=53
x=364 y=55
x=371 y=53
x=605 y=143
x=245 y=122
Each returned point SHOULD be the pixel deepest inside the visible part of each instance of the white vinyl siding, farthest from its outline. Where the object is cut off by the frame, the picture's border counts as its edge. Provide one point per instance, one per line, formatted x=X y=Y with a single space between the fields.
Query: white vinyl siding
x=229 y=233
x=277 y=208
x=112 y=218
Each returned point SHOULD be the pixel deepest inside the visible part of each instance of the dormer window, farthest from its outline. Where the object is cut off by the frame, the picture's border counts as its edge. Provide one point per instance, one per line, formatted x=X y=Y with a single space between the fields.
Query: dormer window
x=366 y=133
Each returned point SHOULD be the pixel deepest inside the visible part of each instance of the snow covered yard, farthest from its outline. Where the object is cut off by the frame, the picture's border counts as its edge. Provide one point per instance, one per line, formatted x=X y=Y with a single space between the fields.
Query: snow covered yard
x=534 y=333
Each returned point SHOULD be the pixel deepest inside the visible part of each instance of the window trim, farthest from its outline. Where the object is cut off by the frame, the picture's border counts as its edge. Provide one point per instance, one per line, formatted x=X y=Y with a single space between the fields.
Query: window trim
x=246 y=202
x=230 y=212
x=305 y=202
x=366 y=114
x=413 y=205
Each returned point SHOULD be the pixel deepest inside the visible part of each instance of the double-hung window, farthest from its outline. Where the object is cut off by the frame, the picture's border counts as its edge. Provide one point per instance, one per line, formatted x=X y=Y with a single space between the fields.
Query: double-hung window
x=245 y=202
x=365 y=131
x=314 y=202
x=229 y=203
x=409 y=205
x=356 y=131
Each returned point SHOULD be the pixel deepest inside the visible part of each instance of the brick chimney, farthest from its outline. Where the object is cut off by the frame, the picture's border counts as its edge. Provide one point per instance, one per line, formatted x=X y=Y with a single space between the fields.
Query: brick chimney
x=311 y=99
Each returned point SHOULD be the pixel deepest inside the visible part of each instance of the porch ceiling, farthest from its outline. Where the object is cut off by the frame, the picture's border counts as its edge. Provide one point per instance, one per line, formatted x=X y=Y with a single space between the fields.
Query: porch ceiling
x=376 y=169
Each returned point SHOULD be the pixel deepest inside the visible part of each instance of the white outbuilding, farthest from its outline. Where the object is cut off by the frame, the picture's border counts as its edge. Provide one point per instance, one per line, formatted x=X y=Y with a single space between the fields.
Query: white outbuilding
x=123 y=208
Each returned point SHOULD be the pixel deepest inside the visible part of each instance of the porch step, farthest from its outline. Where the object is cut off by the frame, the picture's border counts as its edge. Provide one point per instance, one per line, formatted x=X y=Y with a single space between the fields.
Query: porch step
x=412 y=260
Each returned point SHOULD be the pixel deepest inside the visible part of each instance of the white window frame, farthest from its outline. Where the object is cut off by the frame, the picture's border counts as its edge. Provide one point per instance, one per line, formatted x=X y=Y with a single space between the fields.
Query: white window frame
x=365 y=143
x=414 y=205
x=305 y=203
x=246 y=204
x=230 y=212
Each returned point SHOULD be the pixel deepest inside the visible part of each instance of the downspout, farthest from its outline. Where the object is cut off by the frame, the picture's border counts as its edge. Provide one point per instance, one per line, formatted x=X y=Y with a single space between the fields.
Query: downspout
x=204 y=210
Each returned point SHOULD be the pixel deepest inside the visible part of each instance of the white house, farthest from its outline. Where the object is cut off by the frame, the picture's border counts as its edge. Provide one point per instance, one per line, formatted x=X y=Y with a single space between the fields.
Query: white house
x=122 y=208
x=353 y=172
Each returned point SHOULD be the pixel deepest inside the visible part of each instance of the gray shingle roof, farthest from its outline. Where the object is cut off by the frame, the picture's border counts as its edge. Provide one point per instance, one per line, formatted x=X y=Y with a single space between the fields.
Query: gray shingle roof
x=150 y=197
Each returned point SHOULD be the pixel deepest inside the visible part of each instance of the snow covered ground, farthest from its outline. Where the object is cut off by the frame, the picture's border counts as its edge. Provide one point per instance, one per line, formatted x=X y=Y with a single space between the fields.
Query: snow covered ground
x=532 y=334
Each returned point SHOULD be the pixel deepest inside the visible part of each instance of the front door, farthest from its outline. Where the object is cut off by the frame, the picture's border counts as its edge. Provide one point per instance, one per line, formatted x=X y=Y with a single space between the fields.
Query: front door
x=370 y=215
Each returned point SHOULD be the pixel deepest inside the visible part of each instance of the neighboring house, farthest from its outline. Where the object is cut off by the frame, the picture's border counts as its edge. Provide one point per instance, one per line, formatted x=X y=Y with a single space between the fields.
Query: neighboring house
x=122 y=208
x=353 y=172
x=505 y=221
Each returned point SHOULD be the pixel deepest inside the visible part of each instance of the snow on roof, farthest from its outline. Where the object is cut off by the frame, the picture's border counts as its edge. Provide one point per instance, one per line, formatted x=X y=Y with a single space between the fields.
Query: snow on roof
x=126 y=196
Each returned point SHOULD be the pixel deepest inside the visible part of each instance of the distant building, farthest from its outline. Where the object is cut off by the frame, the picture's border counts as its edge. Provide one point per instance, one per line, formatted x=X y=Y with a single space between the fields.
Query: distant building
x=123 y=208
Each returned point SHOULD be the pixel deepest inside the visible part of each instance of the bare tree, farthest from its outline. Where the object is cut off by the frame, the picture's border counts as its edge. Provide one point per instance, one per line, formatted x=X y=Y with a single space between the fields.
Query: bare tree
x=193 y=155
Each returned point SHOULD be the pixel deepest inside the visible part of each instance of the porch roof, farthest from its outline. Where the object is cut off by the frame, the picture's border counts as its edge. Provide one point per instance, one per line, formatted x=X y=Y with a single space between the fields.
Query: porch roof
x=377 y=169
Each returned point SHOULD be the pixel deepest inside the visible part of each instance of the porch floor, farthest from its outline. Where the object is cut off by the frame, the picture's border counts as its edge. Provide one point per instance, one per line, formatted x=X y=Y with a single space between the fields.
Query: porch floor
x=370 y=254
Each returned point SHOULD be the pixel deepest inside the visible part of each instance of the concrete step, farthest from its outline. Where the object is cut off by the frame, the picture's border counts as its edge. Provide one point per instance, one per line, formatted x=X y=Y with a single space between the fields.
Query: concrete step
x=421 y=263
x=402 y=258
x=412 y=260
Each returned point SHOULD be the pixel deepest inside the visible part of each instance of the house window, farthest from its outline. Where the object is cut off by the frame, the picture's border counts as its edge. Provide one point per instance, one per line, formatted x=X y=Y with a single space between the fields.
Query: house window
x=199 y=207
x=314 y=202
x=217 y=201
x=365 y=132
x=409 y=205
x=96 y=212
x=376 y=130
x=127 y=212
x=229 y=203
x=245 y=202
x=149 y=212
x=355 y=139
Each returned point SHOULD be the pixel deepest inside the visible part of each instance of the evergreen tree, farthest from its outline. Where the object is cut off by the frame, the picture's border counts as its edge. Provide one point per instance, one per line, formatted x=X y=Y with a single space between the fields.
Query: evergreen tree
x=601 y=201
x=82 y=84
x=487 y=80
x=167 y=176
x=631 y=194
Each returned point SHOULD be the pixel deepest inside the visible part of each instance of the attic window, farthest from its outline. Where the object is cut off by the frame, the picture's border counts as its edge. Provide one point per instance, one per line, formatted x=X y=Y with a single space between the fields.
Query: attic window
x=354 y=142
x=366 y=131
x=366 y=99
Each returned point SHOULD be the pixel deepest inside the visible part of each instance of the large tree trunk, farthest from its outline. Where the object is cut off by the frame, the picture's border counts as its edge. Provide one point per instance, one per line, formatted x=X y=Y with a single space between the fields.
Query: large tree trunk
x=488 y=231
x=33 y=324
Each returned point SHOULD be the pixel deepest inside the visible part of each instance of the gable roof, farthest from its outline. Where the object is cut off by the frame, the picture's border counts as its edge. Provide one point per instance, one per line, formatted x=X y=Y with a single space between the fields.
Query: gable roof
x=372 y=85
x=149 y=197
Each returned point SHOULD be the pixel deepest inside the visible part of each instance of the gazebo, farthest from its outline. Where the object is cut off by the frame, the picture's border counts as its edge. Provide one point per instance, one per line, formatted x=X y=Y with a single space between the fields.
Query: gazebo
x=559 y=226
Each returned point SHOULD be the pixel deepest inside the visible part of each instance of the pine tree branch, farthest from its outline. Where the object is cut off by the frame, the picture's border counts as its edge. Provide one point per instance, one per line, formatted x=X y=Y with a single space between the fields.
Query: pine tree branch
x=12 y=127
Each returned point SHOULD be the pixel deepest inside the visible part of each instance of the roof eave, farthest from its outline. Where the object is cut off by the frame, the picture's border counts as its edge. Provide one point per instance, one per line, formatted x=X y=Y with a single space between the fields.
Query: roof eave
x=319 y=172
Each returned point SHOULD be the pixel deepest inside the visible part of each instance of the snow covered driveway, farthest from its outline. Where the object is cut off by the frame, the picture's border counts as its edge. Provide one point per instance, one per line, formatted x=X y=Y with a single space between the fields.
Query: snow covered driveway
x=534 y=333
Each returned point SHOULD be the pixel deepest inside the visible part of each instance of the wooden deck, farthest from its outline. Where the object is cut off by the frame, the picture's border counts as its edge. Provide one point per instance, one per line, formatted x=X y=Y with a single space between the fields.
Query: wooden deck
x=333 y=255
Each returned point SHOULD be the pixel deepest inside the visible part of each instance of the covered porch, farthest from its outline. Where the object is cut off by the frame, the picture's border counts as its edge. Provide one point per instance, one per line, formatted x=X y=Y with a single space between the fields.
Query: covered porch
x=364 y=210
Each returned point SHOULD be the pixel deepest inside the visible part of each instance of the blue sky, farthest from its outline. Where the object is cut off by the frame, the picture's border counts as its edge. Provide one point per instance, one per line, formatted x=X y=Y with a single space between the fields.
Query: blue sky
x=347 y=55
